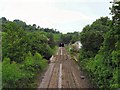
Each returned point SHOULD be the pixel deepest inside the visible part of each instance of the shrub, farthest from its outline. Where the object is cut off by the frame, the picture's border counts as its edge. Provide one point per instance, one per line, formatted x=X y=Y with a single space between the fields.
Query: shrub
x=22 y=75
x=11 y=74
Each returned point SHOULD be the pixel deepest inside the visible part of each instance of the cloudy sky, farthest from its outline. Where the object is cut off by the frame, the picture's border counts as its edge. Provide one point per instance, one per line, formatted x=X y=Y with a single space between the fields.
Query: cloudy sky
x=63 y=15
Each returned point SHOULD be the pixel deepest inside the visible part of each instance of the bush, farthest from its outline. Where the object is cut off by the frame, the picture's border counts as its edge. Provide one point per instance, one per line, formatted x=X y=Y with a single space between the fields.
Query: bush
x=11 y=74
x=40 y=63
x=22 y=75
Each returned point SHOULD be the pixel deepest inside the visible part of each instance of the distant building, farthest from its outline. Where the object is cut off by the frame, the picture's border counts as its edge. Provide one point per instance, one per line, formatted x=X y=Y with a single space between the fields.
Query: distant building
x=78 y=44
x=116 y=1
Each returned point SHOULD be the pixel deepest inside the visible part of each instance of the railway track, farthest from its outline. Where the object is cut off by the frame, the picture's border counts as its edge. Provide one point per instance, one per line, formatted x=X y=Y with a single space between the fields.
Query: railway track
x=63 y=73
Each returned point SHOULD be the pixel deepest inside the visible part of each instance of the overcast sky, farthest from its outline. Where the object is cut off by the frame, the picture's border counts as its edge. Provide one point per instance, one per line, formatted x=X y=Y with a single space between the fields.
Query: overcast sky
x=63 y=15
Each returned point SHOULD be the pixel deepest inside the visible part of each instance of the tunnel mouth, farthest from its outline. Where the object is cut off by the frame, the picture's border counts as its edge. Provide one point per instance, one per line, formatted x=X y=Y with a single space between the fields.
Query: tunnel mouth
x=61 y=45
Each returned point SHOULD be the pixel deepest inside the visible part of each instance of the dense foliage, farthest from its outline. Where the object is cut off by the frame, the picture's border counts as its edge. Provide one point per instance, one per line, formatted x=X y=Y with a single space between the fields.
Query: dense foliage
x=22 y=75
x=25 y=51
x=100 y=52
x=70 y=38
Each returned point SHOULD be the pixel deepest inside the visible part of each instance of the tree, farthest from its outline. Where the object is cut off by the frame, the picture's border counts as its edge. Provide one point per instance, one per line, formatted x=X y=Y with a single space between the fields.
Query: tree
x=92 y=35
x=103 y=66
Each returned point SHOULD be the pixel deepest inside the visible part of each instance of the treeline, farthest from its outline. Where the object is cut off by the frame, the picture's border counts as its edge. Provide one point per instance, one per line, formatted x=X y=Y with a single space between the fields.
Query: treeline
x=26 y=50
x=70 y=38
x=100 y=52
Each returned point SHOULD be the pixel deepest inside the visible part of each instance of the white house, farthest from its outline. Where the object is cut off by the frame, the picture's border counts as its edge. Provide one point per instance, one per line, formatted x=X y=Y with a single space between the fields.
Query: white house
x=78 y=44
x=116 y=1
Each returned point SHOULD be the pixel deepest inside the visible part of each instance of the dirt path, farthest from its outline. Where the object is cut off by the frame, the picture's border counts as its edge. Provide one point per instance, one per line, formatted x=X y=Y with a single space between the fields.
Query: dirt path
x=63 y=73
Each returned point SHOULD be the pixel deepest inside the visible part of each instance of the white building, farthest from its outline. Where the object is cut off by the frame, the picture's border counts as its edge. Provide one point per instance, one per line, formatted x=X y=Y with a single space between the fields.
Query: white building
x=116 y=1
x=78 y=44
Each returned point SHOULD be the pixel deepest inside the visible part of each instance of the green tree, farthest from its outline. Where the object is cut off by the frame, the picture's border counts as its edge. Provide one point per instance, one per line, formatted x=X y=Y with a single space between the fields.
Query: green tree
x=92 y=36
x=104 y=66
